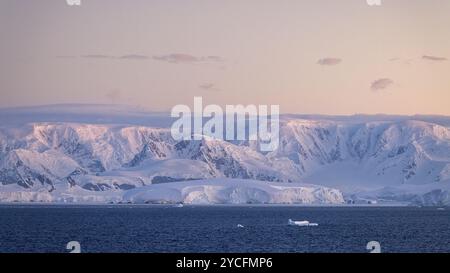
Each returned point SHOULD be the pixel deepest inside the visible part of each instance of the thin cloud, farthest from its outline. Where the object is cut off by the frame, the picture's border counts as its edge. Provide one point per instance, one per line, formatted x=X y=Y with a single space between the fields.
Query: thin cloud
x=178 y=58
x=123 y=57
x=134 y=57
x=381 y=84
x=212 y=59
x=401 y=60
x=97 y=56
x=209 y=87
x=329 y=61
x=434 y=58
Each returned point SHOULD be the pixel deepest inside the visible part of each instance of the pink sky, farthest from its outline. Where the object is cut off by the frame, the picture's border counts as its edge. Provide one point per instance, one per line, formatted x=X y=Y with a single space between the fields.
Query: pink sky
x=308 y=56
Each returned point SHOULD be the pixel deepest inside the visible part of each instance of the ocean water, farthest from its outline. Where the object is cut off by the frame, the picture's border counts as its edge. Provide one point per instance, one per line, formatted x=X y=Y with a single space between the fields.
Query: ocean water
x=123 y=228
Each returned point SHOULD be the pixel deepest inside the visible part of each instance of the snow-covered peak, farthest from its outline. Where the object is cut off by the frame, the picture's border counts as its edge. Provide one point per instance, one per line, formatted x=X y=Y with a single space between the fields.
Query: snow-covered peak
x=76 y=150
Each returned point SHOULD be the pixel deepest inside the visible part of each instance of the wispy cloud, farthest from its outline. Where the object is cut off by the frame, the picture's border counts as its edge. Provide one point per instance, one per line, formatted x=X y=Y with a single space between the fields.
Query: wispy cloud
x=329 y=61
x=178 y=58
x=175 y=58
x=134 y=57
x=381 y=84
x=110 y=57
x=209 y=87
x=401 y=60
x=97 y=56
x=212 y=59
x=434 y=58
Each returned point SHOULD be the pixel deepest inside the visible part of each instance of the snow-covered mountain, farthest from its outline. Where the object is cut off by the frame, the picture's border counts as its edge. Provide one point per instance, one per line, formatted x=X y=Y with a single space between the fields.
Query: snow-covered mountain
x=76 y=152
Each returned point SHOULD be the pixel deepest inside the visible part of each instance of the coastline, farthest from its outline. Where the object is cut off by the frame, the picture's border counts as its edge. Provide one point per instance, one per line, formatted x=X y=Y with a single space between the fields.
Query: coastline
x=86 y=204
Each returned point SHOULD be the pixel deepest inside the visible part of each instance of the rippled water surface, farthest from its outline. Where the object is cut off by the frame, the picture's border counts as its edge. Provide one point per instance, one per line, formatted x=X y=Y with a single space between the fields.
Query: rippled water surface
x=214 y=229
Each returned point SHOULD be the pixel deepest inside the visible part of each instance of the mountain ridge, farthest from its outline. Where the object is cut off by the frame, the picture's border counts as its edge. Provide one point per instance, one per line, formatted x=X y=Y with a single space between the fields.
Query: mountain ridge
x=352 y=156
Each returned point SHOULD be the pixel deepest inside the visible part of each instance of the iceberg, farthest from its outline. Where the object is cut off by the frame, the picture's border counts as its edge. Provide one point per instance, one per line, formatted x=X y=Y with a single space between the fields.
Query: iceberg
x=301 y=223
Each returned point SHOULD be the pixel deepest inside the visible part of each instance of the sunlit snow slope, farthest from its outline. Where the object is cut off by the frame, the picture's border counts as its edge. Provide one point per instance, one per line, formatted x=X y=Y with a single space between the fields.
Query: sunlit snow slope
x=95 y=153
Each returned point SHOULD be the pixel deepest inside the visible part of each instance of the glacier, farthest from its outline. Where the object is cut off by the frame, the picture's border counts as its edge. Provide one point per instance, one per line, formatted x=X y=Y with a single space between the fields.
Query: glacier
x=108 y=153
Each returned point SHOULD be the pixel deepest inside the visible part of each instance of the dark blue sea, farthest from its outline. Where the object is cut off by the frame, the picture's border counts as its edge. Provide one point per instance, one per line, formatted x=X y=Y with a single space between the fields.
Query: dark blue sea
x=123 y=228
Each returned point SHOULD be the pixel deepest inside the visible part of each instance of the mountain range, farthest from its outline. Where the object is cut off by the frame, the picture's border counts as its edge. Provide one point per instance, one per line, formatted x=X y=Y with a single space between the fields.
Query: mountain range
x=107 y=153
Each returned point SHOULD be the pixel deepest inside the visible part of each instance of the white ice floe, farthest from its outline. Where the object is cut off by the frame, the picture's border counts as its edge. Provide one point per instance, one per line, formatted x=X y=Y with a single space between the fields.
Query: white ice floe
x=240 y=226
x=301 y=223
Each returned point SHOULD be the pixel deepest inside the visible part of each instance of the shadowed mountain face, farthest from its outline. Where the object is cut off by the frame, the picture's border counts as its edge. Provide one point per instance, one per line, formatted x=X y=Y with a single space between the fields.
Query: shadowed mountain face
x=351 y=155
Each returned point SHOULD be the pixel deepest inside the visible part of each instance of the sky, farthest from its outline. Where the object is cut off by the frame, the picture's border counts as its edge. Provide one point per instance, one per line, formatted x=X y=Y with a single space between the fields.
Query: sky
x=308 y=56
